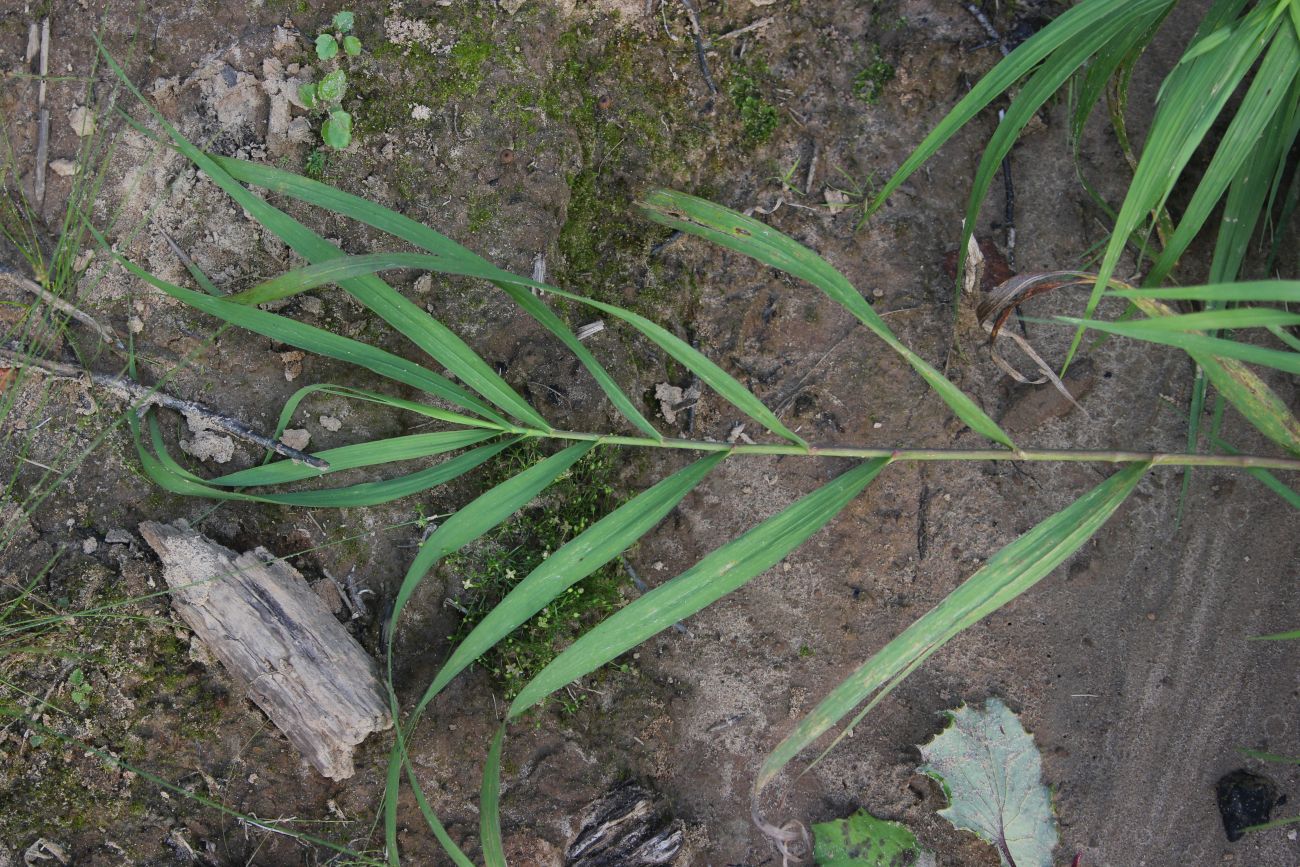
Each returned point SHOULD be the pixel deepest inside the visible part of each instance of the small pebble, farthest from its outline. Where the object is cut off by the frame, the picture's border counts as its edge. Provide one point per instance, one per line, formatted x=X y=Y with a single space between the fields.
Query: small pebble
x=296 y=438
x=135 y=324
x=82 y=120
x=63 y=168
x=877 y=425
x=89 y=546
x=330 y=423
x=1151 y=615
x=118 y=536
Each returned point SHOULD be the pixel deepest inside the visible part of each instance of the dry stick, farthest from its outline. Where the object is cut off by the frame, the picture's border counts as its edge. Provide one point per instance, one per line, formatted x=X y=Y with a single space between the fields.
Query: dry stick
x=105 y=333
x=699 y=44
x=760 y=23
x=143 y=397
x=42 y=120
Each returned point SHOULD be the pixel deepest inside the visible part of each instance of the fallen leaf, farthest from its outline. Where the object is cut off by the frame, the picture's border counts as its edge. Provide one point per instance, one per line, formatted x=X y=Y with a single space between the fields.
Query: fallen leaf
x=992 y=773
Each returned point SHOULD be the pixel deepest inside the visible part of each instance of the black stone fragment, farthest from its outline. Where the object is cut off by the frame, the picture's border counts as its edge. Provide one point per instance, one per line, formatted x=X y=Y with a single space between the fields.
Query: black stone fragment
x=1245 y=799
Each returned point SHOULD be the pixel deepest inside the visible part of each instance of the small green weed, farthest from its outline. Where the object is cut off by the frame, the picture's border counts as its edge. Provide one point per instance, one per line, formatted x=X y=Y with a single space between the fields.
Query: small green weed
x=326 y=96
x=870 y=82
x=577 y=500
x=758 y=117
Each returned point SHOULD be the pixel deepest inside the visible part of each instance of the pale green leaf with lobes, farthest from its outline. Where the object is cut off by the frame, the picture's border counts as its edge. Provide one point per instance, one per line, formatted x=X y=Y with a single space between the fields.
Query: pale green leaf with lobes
x=992 y=773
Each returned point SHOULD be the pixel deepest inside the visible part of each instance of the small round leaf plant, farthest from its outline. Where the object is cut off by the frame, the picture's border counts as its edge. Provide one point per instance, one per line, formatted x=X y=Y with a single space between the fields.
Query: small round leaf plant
x=326 y=96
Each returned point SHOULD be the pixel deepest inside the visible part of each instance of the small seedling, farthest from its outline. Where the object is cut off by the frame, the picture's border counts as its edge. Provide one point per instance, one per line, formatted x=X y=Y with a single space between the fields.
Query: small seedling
x=81 y=690
x=870 y=82
x=326 y=96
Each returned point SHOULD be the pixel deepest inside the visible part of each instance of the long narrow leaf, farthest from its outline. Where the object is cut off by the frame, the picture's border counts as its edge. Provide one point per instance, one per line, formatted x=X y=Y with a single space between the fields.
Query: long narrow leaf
x=322 y=342
x=1067 y=28
x=494 y=850
x=748 y=236
x=1010 y=572
x=1258 y=291
x=402 y=448
x=425 y=331
x=484 y=513
x=1183 y=116
x=386 y=220
x=344 y=269
x=590 y=550
x=1242 y=141
x=719 y=573
x=171 y=476
x=1217 y=346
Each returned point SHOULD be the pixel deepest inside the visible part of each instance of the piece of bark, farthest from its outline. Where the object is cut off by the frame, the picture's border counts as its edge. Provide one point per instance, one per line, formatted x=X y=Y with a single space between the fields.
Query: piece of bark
x=273 y=634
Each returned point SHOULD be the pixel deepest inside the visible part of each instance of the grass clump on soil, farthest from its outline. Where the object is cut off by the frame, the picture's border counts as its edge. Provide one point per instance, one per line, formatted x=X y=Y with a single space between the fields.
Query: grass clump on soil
x=485 y=575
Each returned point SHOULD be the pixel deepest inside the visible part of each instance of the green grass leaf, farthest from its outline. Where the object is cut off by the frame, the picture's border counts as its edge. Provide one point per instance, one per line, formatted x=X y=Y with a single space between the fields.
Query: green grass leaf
x=583 y=555
x=1259 y=291
x=1193 y=97
x=725 y=569
x=414 y=323
x=484 y=513
x=402 y=448
x=344 y=270
x=171 y=476
x=1199 y=343
x=494 y=850
x=471 y=264
x=321 y=342
x=1067 y=29
x=737 y=232
x=1008 y=573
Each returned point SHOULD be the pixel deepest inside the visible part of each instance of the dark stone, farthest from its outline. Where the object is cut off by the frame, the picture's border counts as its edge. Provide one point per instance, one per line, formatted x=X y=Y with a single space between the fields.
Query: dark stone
x=1245 y=799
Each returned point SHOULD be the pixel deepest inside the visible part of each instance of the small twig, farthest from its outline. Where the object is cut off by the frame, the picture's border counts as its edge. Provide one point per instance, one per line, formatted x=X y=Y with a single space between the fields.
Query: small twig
x=105 y=333
x=992 y=31
x=748 y=28
x=143 y=397
x=812 y=170
x=698 y=36
x=42 y=120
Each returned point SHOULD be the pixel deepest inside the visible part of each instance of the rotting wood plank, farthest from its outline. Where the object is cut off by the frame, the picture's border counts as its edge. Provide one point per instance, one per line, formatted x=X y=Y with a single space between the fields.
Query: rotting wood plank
x=258 y=616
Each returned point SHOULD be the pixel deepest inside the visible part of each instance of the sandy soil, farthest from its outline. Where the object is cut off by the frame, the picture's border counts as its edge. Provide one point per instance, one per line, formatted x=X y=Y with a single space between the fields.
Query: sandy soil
x=1130 y=665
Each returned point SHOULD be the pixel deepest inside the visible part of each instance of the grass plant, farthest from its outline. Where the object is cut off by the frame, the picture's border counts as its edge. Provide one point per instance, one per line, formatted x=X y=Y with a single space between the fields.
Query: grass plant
x=482 y=415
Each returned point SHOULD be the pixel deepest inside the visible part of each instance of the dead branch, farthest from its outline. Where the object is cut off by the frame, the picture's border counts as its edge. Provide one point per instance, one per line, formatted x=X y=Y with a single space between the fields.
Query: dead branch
x=143 y=396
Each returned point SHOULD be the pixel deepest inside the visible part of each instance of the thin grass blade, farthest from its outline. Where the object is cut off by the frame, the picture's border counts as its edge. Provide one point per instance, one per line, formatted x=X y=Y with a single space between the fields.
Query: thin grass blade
x=345 y=269
x=484 y=513
x=1010 y=572
x=171 y=476
x=1198 y=343
x=1073 y=24
x=1186 y=110
x=401 y=448
x=583 y=555
x=494 y=850
x=748 y=236
x=408 y=318
x=471 y=264
x=719 y=573
x=321 y=342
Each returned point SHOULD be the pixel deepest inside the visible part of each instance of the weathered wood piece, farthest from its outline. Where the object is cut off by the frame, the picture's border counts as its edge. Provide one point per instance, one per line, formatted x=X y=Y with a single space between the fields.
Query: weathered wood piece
x=273 y=633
